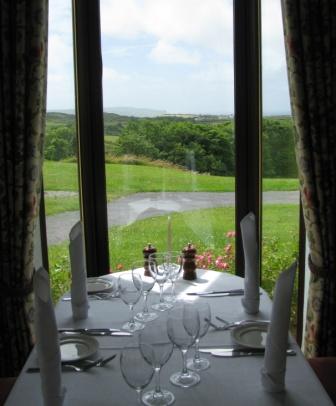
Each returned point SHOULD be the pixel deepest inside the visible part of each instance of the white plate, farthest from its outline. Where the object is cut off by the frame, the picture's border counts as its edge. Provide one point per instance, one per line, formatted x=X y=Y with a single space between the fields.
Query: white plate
x=97 y=285
x=251 y=335
x=75 y=347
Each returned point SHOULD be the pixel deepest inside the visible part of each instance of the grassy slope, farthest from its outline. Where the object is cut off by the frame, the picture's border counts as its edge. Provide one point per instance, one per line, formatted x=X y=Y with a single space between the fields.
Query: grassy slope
x=206 y=228
x=126 y=179
x=133 y=178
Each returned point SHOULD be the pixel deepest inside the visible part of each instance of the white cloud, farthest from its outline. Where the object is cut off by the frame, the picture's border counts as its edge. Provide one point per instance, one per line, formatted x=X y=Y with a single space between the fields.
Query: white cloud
x=215 y=72
x=110 y=74
x=194 y=22
x=164 y=52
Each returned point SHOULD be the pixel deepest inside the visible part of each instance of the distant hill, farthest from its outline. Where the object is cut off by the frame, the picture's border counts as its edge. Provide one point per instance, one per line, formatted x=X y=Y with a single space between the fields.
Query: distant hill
x=134 y=111
x=122 y=111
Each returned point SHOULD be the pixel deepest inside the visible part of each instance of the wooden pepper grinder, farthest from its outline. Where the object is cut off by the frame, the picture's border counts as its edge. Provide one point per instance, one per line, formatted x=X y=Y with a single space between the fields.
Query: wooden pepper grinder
x=147 y=251
x=189 y=262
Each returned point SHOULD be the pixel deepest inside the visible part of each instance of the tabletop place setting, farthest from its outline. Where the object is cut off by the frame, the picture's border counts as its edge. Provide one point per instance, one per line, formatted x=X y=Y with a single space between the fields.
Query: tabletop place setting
x=167 y=331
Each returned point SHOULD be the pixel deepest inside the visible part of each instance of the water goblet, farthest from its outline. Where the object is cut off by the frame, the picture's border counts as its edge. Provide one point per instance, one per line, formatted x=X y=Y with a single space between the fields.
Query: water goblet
x=173 y=264
x=197 y=363
x=158 y=269
x=130 y=295
x=146 y=283
x=156 y=348
x=135 y=369
x=183 y=327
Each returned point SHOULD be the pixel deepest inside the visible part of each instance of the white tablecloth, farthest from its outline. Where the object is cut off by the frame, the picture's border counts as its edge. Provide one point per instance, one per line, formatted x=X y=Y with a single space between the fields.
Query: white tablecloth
x=229 y=381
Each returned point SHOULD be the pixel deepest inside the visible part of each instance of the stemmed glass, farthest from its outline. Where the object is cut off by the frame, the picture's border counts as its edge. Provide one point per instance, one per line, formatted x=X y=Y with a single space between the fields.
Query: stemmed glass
x=173 y=264
x=130 y=296
x=197 y=363
x=146 y=283
x=157 y=267
x=183 y=327
x=156 y=348
x=135 y=370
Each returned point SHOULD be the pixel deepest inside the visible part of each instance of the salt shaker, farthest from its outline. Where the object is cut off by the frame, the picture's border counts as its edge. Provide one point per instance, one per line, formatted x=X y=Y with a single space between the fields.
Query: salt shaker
x=189 y=262
x=147 y=251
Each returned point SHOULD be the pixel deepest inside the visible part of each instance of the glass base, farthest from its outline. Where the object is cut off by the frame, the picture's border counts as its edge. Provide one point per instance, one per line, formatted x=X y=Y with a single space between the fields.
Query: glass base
x=144 y=317
x=170 y=299
x=133 y=326
x=185 y=380
x=163 y=398
x=200 y=365
x=162 y=307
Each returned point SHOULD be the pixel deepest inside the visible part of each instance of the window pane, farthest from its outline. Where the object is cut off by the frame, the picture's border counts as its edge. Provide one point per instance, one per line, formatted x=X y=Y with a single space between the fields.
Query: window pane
x=60 y=163
x=280 y=183
x=168 y=103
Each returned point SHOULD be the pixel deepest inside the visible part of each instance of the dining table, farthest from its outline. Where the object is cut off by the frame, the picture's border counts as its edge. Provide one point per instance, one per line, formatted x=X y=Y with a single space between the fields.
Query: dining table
x=229 y=380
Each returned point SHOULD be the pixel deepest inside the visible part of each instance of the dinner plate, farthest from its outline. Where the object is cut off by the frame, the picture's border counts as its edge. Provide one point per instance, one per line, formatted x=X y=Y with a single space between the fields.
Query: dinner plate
x=75 y=347
x=97 y=285
x=251 y=335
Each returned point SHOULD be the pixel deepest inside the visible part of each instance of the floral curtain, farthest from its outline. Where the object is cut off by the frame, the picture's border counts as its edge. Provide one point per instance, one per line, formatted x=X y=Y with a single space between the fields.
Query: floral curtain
x=310 y=40
x=23 y=57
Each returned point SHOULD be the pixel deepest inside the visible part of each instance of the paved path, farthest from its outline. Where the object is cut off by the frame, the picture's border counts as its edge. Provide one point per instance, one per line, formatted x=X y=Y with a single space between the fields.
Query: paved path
x=138 y=206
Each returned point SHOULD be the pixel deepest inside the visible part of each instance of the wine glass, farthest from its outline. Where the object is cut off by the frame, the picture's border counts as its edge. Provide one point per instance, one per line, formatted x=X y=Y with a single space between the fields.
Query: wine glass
x=183 y=327
x=146 y=283
x=130 y=295
x=156 y=348
x=135 y=370
x=173 y=264
x=158 y=269
x=197 y=363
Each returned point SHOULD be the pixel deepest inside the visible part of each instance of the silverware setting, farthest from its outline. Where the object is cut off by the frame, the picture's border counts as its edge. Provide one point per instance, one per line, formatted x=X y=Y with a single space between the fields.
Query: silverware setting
x=225 y=294
x=239 y=352
x=228 y=325
x=80 y=367
x=110 y=332
x=95 y=296
x=218 y=292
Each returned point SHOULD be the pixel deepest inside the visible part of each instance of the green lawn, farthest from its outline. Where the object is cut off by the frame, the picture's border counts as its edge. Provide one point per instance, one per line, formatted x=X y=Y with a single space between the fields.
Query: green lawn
x=122 y=180
x=205 y=228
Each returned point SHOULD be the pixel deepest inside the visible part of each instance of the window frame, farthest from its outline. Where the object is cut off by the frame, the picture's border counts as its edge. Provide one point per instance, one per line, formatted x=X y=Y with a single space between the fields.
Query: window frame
x=90 y=134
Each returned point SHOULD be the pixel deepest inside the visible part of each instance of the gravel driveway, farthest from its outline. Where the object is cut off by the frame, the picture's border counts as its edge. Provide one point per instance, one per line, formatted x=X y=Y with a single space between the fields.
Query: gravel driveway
x=138 y=206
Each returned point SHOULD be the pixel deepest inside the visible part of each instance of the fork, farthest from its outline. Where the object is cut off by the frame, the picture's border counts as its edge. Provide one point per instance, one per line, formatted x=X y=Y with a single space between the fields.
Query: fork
x=238 y=323
x=81 y=368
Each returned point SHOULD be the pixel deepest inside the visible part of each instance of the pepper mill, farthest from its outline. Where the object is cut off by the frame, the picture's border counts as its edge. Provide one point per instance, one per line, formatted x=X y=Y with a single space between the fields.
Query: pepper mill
x=189 y=262
x=147 y=251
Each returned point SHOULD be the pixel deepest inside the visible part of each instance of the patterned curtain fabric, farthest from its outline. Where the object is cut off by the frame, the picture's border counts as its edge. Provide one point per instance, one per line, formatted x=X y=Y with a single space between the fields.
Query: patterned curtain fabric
x=310 y=39
x=23 y=56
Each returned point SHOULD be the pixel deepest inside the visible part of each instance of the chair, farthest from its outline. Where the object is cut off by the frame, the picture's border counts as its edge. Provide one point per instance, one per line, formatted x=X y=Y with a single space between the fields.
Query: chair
x=6 y=385
x=325 y=369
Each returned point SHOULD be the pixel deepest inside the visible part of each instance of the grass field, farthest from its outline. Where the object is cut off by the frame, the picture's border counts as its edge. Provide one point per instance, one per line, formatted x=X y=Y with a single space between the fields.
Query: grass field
x=205 y=228
x=122 y=180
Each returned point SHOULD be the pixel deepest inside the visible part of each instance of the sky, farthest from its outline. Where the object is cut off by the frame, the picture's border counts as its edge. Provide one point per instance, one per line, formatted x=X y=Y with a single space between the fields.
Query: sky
x=169 y=55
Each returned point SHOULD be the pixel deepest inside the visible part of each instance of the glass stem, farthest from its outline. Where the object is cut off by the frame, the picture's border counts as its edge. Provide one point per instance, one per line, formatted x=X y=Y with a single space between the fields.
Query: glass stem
x=173 y=289
x=145 y=307
x=157 y=392
x=197 y=353
x=139 y=391
x=184 y=358
x=161 y=293
x=132 y=321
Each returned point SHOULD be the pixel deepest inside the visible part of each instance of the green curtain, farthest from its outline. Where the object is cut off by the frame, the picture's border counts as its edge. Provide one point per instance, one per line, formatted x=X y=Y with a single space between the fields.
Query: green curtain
x=23 y=67
x=310 y=40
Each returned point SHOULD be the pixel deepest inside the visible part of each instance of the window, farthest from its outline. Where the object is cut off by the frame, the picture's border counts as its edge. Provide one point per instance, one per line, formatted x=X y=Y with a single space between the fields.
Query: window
x=160 y=62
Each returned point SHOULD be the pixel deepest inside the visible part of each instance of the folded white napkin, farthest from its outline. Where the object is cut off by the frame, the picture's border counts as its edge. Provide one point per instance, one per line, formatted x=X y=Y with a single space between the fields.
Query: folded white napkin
x=47 y=342
x=79 y=299
x=251 y=298
x=273 y=371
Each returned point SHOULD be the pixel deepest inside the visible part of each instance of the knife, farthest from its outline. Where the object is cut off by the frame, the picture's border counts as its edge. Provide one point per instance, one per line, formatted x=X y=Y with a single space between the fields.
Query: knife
x=214 y=292
x=96 y=331
x=221 y=294
x=239 y=352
